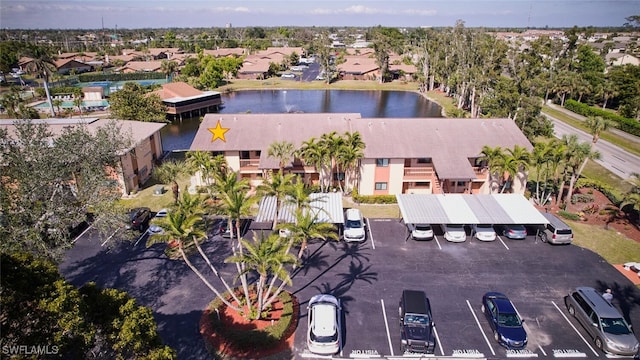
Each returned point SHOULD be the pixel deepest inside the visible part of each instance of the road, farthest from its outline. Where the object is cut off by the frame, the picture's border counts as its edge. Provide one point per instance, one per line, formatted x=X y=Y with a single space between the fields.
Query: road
x=618 y=161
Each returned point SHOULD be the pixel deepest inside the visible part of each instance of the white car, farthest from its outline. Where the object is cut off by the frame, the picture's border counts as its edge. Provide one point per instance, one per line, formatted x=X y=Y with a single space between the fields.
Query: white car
x=324 y=324
x=455 y=233
x=484 y=232
x=422 y=232
x=288 y=76
x=353 y=226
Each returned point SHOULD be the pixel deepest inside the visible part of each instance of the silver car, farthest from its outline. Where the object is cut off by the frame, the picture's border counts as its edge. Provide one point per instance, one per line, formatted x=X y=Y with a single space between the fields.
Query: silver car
x=603 y=322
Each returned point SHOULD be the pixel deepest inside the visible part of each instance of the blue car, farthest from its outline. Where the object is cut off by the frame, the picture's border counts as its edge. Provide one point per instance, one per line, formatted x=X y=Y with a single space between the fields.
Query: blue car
x=504 y=320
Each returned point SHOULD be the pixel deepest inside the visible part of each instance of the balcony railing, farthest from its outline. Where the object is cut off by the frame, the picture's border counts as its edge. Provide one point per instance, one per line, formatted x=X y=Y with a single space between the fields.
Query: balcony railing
x=419 y=173
x=244 y=163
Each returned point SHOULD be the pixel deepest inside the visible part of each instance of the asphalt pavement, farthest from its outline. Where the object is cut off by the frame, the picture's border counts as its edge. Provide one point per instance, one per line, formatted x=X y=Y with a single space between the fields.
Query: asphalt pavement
x=369 y=278
x=613 y=158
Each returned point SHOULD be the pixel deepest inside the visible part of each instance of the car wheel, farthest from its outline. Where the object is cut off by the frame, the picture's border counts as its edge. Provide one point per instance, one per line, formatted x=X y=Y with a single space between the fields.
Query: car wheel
x=496 y=335
x=598 y=343
x=572 y=311
x=543 y=237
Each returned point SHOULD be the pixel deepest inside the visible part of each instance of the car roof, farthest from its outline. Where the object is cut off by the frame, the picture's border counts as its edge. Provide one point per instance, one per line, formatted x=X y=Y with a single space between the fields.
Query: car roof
x=353 y=214
x=602 y=307
x=502 y=302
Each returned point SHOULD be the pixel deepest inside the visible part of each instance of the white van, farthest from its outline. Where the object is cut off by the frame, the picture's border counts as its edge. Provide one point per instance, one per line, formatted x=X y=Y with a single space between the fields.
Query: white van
x=353 y=226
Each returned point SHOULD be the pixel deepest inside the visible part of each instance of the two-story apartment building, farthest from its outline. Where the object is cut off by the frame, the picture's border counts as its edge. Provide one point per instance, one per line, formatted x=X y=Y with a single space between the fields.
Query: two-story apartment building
x=402 y=155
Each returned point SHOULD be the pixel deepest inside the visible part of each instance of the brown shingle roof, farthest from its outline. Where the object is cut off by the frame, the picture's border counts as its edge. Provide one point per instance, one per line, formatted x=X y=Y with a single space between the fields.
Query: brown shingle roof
x=358 y=65
x=143 y=65
x=449 y=142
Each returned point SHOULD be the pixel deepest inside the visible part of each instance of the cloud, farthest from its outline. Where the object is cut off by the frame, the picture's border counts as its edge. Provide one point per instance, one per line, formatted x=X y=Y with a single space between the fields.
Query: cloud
x=367 y=10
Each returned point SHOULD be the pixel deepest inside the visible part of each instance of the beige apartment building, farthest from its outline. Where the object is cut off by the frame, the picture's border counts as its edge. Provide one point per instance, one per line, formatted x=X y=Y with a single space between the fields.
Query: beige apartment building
x=402 y=155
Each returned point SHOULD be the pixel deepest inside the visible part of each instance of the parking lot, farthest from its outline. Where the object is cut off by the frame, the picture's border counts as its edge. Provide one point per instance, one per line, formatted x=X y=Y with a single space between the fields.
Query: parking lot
x=369 y=278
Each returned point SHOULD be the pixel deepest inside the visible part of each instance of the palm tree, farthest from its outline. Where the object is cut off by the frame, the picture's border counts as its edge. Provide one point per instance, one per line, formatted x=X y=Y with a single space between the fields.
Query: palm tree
x=493 y=157
x=312 y=153
x=236 y=203
x=268 y=258
x=183 y=230
x=209 y=166
x=515 y=161
x=306 y=227
x=349 y=157
x=57 y=103
x=282 y=151
x=596 y=125
x=540 y=157
x=299 y=195
x=169 y=172
x=277 y=186
x=575 y=155
x=331 y=144
x=77 y=102
x=168 y=67
x=42 y=65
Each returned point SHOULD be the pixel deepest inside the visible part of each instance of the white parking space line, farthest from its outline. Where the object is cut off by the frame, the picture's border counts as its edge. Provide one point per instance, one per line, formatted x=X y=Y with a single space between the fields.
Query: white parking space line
x=437 y=242
x=438 y=340
x=141 y=236
x=576 y=330
x=502 y=241
x=480 y=327
x=109 y=238
x=386 y=325
x=82 y=233
x=373 y=244
x=526 y=327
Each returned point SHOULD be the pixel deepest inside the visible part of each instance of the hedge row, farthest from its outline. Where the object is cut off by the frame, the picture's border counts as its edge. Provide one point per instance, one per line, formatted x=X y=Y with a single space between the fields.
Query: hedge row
x=612 y=194
x=121 y=77
x=625 y=124
x=373 y=199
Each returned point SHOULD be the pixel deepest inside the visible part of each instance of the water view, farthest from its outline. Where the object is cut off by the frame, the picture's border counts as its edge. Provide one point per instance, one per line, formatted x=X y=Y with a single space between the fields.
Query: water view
x=370 y=104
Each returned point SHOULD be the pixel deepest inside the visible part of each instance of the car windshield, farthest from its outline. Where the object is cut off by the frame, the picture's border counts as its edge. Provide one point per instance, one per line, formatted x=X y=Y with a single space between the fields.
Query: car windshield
x=484 y=228
x=615 y=326
x=455 y=227
x=354 y=224
x=509 y=320
x=423 y=227
x=414 y=319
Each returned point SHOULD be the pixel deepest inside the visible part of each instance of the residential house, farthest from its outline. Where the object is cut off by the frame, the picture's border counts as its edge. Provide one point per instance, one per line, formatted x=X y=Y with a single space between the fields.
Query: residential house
x=618 y=58
x=136 y=162
x=141 y=66
x=68 y=66
x=225 y=52
x=183 y=100
x=359 y=68
x=402 y=155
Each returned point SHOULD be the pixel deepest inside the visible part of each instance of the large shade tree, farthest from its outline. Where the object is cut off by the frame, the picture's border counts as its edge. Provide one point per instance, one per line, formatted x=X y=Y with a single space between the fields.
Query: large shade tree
x=133 y=102
x=49 y=183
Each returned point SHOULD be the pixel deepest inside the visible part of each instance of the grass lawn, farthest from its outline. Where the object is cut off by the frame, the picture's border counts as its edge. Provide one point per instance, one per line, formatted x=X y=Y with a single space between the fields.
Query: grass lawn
x=612 y=246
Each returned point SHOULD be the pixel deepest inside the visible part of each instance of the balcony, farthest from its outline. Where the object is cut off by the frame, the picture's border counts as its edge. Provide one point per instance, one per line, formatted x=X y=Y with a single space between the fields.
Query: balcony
x=418 y=173
x=249 y=164
x=481 y=173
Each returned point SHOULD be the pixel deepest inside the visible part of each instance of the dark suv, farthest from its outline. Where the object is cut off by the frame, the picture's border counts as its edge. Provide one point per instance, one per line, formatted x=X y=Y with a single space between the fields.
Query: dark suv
x=416 y=323
x=139 y=218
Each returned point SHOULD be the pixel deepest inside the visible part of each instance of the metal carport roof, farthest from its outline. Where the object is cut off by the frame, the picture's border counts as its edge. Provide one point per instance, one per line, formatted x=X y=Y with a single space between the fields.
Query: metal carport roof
x=468 y=209
x=326 y=206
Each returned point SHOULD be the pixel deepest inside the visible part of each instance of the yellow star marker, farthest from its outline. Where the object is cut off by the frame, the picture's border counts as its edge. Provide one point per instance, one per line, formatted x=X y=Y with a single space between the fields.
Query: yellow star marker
x=218 y=132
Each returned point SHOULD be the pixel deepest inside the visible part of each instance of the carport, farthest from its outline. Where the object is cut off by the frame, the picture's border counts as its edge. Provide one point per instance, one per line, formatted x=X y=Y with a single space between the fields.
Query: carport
x=327 y=207
x=468 y=209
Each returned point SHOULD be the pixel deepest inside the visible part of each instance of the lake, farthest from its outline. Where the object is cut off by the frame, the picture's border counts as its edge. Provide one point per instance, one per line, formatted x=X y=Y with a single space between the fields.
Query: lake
x=370 y=104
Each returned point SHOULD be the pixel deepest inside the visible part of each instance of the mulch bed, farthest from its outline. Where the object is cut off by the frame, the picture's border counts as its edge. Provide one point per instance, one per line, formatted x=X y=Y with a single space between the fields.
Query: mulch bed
x=232 y=319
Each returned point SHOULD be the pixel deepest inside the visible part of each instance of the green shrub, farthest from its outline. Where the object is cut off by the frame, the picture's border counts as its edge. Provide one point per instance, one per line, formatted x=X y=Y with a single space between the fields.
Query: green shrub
x=612 y=194
x=625 y=124
x=569 y=216
x=373 y=199
x=582 y=198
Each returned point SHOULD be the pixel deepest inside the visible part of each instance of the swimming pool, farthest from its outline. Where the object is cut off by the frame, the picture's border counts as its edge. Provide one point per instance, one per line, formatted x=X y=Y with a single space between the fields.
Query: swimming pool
x=113 y=86
x=69 y=104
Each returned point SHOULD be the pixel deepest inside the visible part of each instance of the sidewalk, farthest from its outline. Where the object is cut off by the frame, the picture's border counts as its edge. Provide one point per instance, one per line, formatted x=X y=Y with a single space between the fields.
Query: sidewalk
x=620 y=133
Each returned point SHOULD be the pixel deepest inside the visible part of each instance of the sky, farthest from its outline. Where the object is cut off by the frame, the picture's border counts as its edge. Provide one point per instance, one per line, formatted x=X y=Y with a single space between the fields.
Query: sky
x=133 y=14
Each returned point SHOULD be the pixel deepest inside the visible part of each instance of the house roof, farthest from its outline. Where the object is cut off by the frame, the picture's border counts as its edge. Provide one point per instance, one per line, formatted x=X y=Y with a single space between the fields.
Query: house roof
x=179 y=91
x=358 y=65
x=468 y=209
x=143 y=65
x=138 y=130
x=224 y=52
x=448 y=142
x=282 y=50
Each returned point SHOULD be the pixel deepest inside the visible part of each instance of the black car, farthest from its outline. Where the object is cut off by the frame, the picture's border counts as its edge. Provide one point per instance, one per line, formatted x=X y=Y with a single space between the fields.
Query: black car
x=139 y=218
x=504 y=320
x=416 y=323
